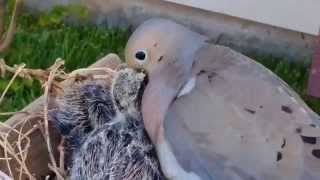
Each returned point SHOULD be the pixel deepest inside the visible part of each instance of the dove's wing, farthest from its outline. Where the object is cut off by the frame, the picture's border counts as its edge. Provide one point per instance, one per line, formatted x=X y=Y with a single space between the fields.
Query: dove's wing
x=242 y=118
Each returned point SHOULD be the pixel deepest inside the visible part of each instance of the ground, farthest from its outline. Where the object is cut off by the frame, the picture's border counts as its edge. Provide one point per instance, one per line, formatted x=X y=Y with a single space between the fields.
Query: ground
x=39 y=41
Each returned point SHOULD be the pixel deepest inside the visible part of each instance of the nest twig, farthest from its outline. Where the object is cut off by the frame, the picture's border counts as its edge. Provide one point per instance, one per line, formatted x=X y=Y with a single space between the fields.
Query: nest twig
x=7 y=40
x=51 y=79
x=22 y=144
x=53 y=166
x=19 y=69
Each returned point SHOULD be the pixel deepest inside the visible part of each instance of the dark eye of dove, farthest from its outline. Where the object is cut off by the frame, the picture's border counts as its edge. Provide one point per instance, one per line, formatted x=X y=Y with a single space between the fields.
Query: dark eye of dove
x=141 y=56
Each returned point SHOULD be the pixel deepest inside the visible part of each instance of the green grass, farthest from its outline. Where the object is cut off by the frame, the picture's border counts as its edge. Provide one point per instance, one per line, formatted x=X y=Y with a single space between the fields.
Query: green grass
x=38 y=46
x=294 y=73
x=38 y=42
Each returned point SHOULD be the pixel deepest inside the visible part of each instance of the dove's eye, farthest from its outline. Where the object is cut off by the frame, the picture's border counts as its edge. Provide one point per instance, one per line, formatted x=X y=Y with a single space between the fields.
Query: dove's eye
x=141 y=56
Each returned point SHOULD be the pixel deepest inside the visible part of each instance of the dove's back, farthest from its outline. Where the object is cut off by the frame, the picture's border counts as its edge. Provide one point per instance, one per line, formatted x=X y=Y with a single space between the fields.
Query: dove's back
x=242 y=122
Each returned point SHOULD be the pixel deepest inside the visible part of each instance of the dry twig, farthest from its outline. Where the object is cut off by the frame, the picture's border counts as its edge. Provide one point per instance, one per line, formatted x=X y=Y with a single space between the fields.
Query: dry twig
x=12 y=113
x=2 y=14
x=51 y=77
x=5 y=44
x=26 y=73
x=54 y=69
x=22 y=144
x=61 y=154
x=19 y=69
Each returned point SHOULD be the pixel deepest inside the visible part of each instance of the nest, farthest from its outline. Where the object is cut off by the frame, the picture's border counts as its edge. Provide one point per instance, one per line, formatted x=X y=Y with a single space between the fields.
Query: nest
x=29 y=147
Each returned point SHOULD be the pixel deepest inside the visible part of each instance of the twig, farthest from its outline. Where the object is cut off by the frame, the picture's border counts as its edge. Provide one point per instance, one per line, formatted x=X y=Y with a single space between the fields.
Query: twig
x=13 y=128
x=5 y=159
x=2 y=14
x=26 y=73
x=42 y=75
x=9 y=150
x=19 y=69
x=23 y=152
x=50 y=78
x=54 y=69
x=61 y=154
x=12 y=113
x=5 y=44
x=38 y=74
x=5 y=149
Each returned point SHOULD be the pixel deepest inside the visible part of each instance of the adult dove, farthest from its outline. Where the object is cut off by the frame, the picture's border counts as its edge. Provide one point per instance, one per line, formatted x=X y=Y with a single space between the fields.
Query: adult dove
x=213 y=113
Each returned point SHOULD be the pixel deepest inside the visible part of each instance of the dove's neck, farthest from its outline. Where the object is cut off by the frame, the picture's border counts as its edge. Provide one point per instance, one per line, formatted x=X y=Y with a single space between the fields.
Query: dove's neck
x=158 y=96
x=155 y=103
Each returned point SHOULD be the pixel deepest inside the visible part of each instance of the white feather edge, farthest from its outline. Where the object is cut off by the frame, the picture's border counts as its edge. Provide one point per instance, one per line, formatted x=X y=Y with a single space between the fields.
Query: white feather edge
x=187 y=87
x=170 y=166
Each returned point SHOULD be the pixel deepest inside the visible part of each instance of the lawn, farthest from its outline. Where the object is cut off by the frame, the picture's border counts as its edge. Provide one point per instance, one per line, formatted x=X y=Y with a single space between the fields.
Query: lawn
x=39 y=41
x=38 y=44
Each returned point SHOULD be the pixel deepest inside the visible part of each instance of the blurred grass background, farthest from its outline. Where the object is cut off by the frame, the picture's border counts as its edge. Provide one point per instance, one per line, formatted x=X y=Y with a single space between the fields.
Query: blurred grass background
x=42 y=38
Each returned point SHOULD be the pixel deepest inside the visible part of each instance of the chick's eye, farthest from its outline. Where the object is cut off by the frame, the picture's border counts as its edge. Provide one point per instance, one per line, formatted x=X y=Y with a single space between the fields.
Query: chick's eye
x=141 y=55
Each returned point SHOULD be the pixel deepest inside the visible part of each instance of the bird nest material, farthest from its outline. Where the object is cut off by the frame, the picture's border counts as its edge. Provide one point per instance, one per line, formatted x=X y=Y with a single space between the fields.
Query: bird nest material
x=29 y=147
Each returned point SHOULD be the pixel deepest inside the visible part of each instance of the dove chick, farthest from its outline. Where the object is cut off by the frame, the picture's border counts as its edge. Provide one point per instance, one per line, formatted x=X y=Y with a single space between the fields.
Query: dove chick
x=104 y=129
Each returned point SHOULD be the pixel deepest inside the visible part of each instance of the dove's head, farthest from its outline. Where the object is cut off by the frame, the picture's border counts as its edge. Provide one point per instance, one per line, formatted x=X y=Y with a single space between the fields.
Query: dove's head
x=165 y=50
x=161 y=40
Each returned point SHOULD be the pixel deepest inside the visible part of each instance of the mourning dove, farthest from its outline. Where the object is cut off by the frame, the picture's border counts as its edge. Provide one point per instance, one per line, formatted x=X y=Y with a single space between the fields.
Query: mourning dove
x=213 y=113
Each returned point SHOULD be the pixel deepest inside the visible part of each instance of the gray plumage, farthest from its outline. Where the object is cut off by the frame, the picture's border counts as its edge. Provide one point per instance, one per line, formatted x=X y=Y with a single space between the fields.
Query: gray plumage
x=237 y=121
x=104 y=130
